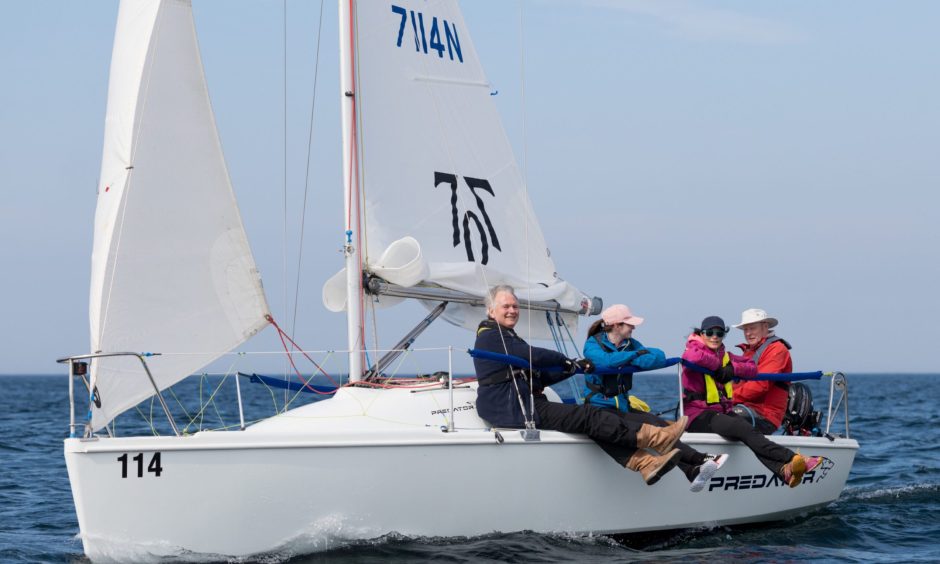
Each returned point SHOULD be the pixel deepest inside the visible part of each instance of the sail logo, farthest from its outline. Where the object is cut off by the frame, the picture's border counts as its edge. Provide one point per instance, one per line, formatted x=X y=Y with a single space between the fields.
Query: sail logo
x=487 y=235
x=757 y=481
x=429 y=37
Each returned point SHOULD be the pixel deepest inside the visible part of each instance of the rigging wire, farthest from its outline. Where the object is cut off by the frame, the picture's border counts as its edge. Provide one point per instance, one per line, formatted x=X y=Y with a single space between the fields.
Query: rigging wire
x=560 y=321
x=303 y=214
x=575 y=390
x=556 y=335
x=362 y=241
x=525 y=192
x=284 y=219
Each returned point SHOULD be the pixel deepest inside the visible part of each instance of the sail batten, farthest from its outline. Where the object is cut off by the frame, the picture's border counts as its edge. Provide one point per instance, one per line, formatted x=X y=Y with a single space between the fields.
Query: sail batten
x=172 y=270
x=446 y=80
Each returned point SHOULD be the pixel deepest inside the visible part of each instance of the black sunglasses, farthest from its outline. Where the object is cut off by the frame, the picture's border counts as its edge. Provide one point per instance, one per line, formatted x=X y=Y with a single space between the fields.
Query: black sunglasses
x=720 y=333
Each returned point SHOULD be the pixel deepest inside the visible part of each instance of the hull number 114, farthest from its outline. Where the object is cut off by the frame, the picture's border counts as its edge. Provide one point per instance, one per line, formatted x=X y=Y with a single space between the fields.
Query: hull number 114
x=153 y=467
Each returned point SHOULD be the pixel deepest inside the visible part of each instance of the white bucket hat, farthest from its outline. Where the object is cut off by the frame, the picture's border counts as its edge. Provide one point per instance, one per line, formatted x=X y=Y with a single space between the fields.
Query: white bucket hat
x=755 y=315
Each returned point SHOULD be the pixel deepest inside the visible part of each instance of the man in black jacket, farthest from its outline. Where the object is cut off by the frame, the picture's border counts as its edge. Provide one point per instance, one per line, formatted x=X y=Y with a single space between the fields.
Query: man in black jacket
x=503 y=396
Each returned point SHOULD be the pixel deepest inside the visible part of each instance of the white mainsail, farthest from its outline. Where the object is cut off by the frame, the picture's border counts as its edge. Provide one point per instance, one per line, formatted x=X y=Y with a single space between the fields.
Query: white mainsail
x=172 y=271
x=436 y=166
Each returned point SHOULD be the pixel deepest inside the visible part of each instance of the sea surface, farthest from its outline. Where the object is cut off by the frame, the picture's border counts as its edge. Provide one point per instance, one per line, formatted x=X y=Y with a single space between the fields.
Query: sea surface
x=889 y=511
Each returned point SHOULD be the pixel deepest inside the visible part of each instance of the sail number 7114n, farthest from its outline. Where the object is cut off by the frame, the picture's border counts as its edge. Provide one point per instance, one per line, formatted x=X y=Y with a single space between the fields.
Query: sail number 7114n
x=429 y=36
x=154 y=467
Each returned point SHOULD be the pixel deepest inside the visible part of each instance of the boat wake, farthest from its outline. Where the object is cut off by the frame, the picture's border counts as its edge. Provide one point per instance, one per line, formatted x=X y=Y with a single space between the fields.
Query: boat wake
x=331 y=534
x=908 y=493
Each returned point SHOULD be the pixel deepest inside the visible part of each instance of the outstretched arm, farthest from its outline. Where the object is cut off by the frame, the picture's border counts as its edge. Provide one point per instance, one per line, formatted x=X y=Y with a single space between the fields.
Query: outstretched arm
x=605 y=359
x=697 y=353
x=744 y=368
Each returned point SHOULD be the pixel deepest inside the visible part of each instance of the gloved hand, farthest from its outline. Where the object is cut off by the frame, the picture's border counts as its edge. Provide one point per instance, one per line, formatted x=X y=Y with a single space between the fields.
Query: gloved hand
x=571 y=366
x=725 y=374
x=585 y=365
x=641 y=352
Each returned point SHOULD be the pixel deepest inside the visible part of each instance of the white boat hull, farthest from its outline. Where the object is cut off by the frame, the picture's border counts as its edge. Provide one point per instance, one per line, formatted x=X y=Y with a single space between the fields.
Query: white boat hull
x=312 y=478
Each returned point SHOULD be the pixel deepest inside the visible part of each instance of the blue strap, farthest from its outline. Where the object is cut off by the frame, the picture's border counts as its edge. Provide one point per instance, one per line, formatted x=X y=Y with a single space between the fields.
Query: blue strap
x=519 y=362
x=509 y=359
x=633 y=369
x=791 y=377
x=763 y=376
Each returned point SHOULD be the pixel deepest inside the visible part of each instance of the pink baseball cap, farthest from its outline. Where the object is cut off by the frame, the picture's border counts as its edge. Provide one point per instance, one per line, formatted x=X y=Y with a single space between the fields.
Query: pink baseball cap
x=620 y=313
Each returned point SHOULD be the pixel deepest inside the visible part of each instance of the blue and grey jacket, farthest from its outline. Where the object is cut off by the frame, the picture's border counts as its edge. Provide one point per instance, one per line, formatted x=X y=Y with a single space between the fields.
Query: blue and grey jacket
x=497 y=401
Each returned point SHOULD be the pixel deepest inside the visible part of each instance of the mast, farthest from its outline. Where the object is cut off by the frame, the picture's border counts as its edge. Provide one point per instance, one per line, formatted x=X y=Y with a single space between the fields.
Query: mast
x=352 y=250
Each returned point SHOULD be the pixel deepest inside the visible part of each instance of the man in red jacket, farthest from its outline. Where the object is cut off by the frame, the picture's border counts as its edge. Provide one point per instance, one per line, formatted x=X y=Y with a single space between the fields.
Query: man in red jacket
x=763 y=402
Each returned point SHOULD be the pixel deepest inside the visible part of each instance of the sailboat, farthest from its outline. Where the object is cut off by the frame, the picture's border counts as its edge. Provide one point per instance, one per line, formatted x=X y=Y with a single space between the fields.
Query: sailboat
x=173 y=274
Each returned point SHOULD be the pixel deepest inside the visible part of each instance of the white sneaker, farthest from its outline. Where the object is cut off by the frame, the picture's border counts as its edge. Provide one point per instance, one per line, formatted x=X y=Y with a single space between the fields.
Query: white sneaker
x=719 y=459
x=705 y=472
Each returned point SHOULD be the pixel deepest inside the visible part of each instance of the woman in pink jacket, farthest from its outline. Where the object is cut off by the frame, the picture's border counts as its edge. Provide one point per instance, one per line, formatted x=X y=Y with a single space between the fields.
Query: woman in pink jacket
x=707 y=372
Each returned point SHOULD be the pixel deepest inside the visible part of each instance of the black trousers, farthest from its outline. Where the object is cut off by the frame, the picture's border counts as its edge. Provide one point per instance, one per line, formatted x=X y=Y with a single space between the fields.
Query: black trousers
x=615 y=434
x=732 y=427
x=758 y=422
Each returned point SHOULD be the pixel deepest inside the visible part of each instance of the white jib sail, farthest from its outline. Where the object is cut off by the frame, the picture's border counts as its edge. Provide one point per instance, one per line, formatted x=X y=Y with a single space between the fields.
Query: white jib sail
x=437 y=165
x=172 y=271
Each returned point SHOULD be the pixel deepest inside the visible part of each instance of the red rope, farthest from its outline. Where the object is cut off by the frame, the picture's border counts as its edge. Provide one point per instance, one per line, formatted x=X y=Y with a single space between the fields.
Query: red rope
x=404 y=383
x=282 y=335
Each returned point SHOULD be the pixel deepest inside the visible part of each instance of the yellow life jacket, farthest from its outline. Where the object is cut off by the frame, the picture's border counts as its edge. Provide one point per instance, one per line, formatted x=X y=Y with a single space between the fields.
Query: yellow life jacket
x=713 y=390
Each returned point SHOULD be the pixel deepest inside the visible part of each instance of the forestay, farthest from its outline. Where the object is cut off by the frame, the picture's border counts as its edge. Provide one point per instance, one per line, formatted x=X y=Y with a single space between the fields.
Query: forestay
x=444 y=201
x=172 y=271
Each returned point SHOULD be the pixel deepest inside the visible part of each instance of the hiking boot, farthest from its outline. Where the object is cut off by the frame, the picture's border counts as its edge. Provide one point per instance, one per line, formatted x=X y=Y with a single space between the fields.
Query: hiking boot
x=653 y=467
x=661 y=439
x=792 y=472
x=705 y=472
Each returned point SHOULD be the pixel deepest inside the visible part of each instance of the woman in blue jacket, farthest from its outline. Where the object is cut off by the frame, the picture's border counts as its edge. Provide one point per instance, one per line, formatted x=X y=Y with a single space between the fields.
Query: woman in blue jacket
x=610 y=346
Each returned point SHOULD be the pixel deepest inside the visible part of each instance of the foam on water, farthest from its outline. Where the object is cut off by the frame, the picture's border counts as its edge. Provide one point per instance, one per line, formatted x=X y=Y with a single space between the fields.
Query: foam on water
x=889 y=494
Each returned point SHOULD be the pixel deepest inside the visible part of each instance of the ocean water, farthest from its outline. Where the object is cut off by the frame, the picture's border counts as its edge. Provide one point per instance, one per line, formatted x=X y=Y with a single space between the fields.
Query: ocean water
x=889 y=511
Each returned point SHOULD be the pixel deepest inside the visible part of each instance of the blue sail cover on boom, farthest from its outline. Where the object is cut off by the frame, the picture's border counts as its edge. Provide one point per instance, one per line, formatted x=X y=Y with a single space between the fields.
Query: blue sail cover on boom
x=288 y=384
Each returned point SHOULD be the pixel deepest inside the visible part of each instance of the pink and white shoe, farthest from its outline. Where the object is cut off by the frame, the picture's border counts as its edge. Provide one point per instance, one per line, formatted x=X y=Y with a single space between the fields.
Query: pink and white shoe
x=813 y=461
x=705 y=472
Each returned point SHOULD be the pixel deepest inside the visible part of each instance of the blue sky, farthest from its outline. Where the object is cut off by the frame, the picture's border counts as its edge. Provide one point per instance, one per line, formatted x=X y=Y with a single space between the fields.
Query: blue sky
x=685 y=158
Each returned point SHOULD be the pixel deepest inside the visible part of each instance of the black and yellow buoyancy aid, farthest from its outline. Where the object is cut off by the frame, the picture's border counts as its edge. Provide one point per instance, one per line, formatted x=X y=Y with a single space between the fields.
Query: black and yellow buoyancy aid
x=714 y=391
